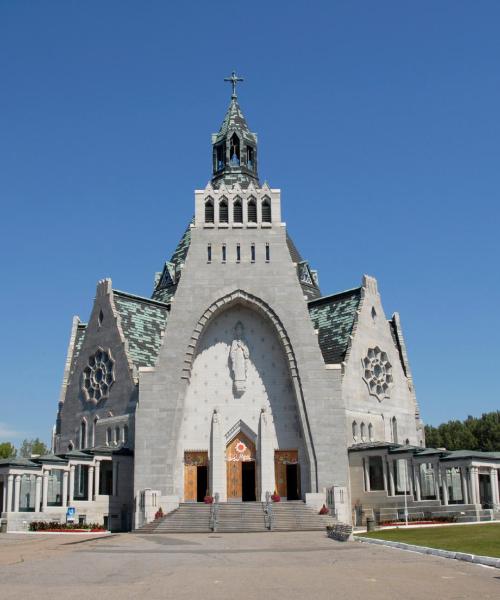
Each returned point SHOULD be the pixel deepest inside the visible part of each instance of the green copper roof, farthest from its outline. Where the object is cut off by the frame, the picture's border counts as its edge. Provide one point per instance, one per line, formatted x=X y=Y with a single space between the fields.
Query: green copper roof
x=334 y=317
x=143 y=323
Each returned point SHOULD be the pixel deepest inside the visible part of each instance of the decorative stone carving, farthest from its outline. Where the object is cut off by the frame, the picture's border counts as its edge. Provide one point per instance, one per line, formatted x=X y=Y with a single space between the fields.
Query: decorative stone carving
x=238 y=356
x=98 y=376
x=377 y=373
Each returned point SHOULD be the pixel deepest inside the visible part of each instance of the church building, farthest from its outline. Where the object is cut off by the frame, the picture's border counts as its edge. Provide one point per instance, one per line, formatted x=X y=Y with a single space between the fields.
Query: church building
x=238 y=379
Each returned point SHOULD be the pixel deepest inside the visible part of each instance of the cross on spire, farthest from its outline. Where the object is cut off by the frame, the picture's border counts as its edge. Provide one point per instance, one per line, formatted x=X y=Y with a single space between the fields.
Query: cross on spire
x=234 y=79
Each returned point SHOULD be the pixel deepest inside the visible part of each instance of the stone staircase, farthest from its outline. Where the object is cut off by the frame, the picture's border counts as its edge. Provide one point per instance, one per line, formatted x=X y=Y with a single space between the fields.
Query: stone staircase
x=188 y=518
x=236 y=517
x=296 y=516
x=241 y=516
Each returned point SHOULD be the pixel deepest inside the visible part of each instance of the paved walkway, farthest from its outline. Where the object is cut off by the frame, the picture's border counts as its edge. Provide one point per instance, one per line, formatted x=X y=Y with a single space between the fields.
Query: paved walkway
x=262 y=566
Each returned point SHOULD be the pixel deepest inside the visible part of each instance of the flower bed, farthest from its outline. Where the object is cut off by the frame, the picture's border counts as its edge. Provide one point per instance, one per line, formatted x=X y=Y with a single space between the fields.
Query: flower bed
x=54 y=526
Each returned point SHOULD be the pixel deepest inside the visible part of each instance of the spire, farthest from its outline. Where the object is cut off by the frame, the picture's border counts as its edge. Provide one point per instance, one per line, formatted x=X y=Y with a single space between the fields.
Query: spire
x=234 y=146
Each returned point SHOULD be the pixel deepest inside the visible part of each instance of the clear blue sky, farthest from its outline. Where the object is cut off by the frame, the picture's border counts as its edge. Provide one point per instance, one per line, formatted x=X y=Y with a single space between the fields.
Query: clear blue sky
x=378 y=120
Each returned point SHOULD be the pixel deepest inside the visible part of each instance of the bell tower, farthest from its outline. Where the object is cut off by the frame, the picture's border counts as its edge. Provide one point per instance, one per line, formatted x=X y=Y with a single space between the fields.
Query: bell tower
x=234 y=147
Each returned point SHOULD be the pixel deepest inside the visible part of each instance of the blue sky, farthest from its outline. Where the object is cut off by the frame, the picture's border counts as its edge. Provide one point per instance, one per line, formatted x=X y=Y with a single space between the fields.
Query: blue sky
x=378 y=120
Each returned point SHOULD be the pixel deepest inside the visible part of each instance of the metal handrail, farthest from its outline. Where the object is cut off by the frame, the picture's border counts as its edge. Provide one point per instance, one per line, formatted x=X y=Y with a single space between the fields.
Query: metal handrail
x=214 y=512
x=268 y=510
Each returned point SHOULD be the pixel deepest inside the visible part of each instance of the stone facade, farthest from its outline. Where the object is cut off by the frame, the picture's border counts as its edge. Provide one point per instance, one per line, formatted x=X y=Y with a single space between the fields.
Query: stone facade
x=237 y=377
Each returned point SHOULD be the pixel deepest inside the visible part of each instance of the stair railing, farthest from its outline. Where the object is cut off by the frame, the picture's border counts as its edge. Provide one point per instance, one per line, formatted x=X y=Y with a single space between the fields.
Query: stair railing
x=214 y=512
x=268 y=510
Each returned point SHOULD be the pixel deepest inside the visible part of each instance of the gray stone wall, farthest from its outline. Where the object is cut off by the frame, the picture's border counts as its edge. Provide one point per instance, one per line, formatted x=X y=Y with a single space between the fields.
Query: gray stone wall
x=123 y=392
x=163 y=390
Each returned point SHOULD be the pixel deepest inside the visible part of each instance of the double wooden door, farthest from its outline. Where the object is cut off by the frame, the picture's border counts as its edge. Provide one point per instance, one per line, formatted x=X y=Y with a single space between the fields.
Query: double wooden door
x=195 y=476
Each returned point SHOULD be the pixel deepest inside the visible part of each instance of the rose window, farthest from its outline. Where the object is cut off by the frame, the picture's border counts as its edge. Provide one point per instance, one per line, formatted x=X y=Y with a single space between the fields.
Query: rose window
x=377 y=373
x=98 y=376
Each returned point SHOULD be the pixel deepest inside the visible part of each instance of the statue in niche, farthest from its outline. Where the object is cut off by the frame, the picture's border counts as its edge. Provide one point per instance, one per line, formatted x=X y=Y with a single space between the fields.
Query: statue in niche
x=238 y=357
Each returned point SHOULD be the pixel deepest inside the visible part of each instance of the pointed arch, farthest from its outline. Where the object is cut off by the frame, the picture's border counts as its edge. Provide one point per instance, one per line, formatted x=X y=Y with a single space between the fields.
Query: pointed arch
x=266 y=210
x=253 y=302
x=209 y=210
x=252 y=210
x=223 y=211
x=237 y=210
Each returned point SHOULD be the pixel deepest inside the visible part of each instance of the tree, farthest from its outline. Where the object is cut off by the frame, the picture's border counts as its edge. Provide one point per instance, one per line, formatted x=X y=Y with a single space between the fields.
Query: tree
x=7 y=450
x=30 y=447
x=474 y=433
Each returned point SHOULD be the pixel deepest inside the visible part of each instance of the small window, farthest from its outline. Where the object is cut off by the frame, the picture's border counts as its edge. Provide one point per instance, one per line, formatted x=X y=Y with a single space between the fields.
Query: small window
x=252 y=211
x=252 y=252
x=83 y=435
x=268 y=253
x=237 y=211
x=209 y=253
x=394 y=430
x=250 y=157
x=374 y=314
x=266 y=211
x=101 y=318
x=221 y=158
x=363 y=432
x=370 y=432
x=224 y=253
x=117 y=435
x=238 y=253
x=209 y=211
x=234 y=150
x=223 y=211
x=108 y=436
x=355 y=431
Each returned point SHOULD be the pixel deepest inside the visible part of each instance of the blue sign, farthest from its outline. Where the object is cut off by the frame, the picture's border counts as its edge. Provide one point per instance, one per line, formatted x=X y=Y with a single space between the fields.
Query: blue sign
x=70 y=513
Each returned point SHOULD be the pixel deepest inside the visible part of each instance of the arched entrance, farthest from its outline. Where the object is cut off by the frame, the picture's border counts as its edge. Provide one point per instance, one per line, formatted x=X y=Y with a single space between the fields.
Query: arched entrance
x=241 y=467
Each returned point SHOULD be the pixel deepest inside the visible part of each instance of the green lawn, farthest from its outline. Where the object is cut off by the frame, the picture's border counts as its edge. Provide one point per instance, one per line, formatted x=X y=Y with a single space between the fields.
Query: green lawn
x=473 y=539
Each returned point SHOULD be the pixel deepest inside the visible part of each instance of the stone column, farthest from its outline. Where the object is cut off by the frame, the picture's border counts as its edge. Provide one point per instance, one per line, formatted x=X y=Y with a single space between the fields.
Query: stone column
x=10 y=484
x=409 y=476
x=366 y=470
x=17 y=492
x=65 y=489
x=217 y=468
x=115 y=478
x=38 y=493
x=97 y=477
x=444 y=487
x=463 y=481
x=71 y=484
x=265 y=456
x=435 y=472
x=90 y=484
x=416 y=476
x=45 y=494
x=386 y=475
x=390 y=468
x=476 y=484
x=494 y=486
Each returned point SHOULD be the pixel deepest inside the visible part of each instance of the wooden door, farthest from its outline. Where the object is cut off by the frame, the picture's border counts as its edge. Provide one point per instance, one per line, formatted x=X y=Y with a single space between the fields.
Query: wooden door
x=234 y=481
x=193 y=460
x=239 y=450
x=282 y=458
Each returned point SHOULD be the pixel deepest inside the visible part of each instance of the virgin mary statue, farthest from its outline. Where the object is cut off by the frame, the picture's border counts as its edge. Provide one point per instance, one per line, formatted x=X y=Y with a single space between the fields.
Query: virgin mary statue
x=238 y=355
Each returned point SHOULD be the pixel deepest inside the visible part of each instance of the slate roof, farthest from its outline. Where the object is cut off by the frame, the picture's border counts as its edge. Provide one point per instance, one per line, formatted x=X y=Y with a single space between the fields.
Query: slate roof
x=167 y=283
x=334 y=317
x=234 y=120
x=143 y=322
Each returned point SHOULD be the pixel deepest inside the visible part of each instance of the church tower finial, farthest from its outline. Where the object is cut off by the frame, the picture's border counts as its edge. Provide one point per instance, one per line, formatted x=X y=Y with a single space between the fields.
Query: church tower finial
x=234 y=79
x=234 y=146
